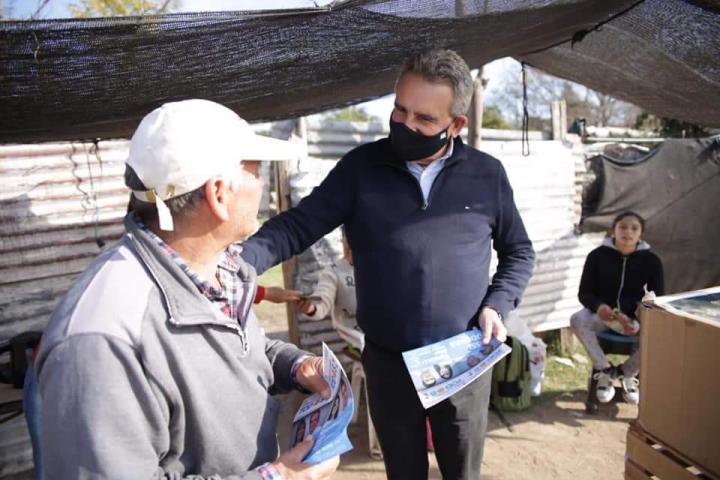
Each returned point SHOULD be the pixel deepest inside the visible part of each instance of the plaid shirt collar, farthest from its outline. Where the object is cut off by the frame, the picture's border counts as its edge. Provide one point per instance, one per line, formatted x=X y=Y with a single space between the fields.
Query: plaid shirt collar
x=225 y=298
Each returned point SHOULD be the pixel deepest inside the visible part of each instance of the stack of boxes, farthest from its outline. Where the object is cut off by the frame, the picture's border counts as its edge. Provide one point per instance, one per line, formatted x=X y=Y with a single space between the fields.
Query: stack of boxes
x=677 y=434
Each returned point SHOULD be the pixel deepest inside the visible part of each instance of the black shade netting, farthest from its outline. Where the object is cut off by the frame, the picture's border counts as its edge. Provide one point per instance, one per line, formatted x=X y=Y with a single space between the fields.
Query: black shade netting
x=96 y=78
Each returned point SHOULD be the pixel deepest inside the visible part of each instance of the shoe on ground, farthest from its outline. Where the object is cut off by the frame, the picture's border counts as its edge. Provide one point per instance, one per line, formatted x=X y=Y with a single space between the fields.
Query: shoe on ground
x=605 y=389
x=631 y=390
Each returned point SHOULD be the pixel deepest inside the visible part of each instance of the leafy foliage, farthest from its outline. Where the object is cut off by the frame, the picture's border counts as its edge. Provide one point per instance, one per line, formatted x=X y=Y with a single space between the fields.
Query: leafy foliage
x=670 y=127
x=120 y=8
x=597 y=108
x=348 y=114
x=492 y=118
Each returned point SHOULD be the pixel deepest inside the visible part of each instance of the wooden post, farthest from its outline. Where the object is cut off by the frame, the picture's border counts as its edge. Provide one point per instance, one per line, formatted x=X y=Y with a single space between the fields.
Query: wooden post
x=559 y=119
x=567 y=341
x=475 y=114
x=289 y=267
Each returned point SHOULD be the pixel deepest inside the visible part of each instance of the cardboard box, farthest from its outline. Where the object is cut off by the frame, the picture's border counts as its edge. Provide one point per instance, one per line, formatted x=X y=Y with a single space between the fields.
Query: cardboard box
x=680 y=374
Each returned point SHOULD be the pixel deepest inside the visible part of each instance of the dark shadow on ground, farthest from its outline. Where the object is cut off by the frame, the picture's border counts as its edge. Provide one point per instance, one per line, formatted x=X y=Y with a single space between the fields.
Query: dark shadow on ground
x=566 y=408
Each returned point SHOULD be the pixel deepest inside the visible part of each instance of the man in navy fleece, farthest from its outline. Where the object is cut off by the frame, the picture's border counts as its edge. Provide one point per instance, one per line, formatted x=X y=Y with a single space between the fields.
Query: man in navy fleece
x=421 y=211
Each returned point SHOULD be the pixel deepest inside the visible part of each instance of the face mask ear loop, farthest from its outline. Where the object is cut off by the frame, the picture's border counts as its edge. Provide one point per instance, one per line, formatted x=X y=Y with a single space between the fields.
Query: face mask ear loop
x=447 y=132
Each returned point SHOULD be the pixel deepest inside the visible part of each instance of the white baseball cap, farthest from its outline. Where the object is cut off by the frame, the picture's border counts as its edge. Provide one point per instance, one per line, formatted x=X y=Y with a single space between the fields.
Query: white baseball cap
x=181 y=145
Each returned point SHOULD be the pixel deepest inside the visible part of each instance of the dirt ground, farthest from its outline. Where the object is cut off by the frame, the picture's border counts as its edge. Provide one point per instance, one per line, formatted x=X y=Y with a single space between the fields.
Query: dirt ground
x=553 y=440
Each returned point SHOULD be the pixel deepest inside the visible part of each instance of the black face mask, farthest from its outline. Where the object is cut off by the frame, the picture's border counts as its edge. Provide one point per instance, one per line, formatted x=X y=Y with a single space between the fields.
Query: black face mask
x=411 y=146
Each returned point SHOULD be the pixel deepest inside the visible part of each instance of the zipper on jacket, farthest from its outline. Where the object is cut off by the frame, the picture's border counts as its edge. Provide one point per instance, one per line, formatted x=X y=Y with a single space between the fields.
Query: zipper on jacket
x=622 y=284
x=243 y=342
x=425 y=204
x=432 y=187
x=233 y=326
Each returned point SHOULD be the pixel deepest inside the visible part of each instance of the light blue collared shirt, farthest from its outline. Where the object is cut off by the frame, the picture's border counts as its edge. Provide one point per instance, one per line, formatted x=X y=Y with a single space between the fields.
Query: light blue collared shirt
x=427 y=175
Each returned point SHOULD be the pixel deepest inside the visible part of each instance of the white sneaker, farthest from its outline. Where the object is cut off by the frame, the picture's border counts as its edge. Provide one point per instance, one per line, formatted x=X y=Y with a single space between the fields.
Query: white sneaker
x=631 y=390
x=605 y=389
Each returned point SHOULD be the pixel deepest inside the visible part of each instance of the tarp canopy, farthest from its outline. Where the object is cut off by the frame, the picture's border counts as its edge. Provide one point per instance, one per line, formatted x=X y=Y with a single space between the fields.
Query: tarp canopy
x=676 y=188
x=96 y=78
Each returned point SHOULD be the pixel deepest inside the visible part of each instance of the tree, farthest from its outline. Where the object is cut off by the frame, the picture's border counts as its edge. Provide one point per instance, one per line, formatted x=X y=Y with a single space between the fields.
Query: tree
x=597 y=108
x=120 y=8
x=492 y=118
x=348 y=114
x=670 y=127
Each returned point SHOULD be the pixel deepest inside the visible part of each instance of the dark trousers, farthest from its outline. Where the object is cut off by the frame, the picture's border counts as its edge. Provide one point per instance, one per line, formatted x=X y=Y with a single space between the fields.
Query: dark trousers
x=458 y=423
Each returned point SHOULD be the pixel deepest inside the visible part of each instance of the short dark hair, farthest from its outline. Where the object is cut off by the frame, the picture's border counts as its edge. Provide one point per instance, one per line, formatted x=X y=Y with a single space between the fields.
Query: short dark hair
x=629 y=213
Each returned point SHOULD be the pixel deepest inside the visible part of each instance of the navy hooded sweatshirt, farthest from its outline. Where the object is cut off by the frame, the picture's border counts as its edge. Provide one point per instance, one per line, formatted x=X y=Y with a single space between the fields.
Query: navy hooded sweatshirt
x=421 y=269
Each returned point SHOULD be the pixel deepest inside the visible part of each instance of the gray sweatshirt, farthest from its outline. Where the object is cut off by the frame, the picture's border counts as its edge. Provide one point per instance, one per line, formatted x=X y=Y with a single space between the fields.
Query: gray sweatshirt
x=141 y=376
x=335 y=295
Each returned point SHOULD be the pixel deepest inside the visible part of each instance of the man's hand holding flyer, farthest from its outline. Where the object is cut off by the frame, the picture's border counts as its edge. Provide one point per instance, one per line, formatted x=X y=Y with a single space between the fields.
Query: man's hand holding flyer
x=443 y=368
x=326 y=419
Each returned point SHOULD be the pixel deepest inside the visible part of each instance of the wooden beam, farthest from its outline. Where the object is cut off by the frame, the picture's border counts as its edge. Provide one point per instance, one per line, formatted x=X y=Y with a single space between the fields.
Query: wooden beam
x=475 y=114
x=654 y=459
x=559 y=119
x=635 y=472
x=284 y=203
x=567 y=341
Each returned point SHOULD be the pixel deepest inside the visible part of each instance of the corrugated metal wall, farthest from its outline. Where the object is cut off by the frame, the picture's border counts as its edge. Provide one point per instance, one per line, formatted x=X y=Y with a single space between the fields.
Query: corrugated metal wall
x=545 y=192
x=61 y=202
x=58 y=205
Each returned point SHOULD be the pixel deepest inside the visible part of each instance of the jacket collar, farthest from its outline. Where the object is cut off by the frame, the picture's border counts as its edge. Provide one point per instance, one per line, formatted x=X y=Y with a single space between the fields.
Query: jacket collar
x=184 y=302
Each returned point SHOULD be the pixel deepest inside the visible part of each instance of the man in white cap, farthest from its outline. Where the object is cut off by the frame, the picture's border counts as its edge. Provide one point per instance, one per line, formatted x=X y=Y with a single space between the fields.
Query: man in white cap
x=154 y=365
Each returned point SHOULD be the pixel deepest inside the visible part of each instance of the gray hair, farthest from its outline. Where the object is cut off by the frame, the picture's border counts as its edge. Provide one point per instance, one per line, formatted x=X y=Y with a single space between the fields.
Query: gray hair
x=181 y=207
x=444 y=66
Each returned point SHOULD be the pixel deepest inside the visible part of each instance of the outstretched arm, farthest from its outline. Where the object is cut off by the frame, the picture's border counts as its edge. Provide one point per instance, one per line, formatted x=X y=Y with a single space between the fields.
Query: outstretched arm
x=324 y=301
x=291 y=232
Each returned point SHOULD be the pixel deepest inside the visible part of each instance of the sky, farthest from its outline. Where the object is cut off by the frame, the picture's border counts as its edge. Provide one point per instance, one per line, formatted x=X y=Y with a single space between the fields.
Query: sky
x=496 y=71
x=58 y=8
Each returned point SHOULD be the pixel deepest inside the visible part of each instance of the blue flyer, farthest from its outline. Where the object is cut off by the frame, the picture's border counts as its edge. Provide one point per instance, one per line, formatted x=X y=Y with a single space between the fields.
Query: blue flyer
x=446 y=367
x=326 y=419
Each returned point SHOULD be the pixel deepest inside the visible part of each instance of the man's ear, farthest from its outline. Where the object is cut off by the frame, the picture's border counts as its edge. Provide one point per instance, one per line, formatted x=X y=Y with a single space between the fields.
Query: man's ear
x=457 y=125
x=217 y=196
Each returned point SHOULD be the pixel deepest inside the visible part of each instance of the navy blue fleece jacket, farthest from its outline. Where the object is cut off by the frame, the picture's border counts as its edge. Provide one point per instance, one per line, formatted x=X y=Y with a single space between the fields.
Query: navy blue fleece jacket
x=421 y=269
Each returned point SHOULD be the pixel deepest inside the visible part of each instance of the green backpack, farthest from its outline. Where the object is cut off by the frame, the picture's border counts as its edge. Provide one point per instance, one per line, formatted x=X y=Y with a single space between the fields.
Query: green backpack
x=511 y=379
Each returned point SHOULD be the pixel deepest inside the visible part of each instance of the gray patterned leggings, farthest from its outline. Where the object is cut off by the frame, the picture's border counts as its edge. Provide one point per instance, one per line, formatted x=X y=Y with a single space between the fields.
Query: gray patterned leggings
x=586 y=324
